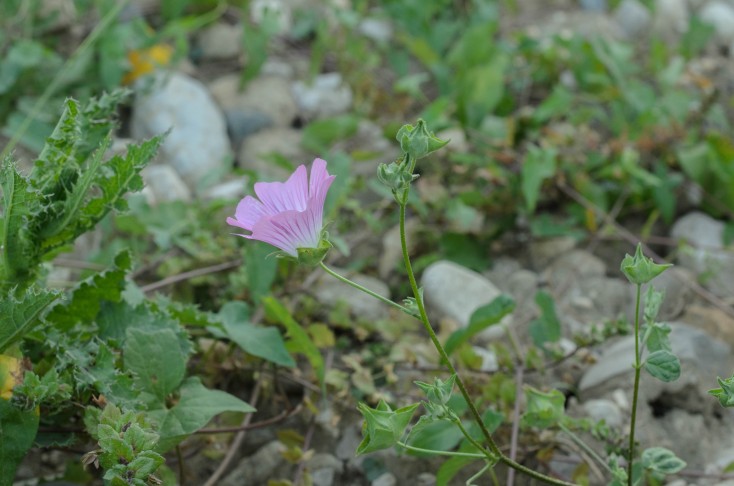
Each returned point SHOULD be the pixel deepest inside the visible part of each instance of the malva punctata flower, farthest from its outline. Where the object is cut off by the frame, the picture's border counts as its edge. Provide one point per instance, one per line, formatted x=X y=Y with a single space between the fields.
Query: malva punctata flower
x=288 y=215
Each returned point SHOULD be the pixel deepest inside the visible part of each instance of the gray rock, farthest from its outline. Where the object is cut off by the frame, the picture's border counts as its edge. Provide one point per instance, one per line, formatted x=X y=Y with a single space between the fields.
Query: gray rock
x=704 y=253
x=327 y=95
x=266 y=463
x=233 y=189
x=331 y=291
x=378 y=30
x=324 y=469
x=455 y=292
x=256 y=152
x=675 y=283
x=220 y=41
x=385 y=479
x=280 y=8
x=489 y=359
x=670 y=18
x=721 y=16
x=633 y=17
x=594 y=5
x=457 y=140
x=197 y=146
x=165 y=184
x=426 y=479
x=571 y=267
x=696 y=350
x=243 y=123
x=267 y=95
x=545 y=250
x=603 y=409
x=351 y=438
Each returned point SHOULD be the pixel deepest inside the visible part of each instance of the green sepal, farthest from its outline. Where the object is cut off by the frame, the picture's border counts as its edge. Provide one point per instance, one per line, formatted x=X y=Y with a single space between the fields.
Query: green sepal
x=440 y=391
x=418 y=141
x=383 y=426
x=543 y=409
x=641 y=269
x=725 y=394
x=314 y=256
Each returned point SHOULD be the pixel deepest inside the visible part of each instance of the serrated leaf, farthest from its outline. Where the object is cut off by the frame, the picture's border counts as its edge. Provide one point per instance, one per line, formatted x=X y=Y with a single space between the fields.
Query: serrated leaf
x=17 y=317
x=88 y=295
x=260 y=341
x=663 y=365
x=662 y=460
x=195 y=408
x=301 y=342
x=485 y=316
x=156 y=359
x=17 y=432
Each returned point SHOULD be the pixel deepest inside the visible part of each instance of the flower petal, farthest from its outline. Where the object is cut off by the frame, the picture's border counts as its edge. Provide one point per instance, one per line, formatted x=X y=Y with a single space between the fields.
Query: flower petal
x=285 y=196
x=248 y=212
x=289 y=230
x=319 y=174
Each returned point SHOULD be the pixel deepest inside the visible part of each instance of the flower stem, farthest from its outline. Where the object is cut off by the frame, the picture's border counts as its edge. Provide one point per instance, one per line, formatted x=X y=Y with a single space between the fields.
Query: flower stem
x=363 y=289
x=442 y=453
x=459 y=382
x=636 y=388
x=583 y=445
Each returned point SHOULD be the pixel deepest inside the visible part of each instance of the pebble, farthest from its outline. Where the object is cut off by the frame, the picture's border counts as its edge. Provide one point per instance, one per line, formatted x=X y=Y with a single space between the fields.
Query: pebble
x=197 y=145
x=267 y=463
x=543 y=251
x=602 y=409
x=327 y=95
x=704 y=253
x=232 y=189
x=257 y=150
x=165 y=184
x=385 y=479
x=282 y=9
x=633 y=17
x=671 y=18
x=270 y=96
x=220 y=41
x=455 y=292
x=377 y=30
x=324 y=468
x=721 y=16
x=242 y=123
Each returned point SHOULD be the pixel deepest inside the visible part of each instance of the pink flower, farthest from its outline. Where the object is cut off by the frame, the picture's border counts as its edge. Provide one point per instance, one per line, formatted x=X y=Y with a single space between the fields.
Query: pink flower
x=288 y=215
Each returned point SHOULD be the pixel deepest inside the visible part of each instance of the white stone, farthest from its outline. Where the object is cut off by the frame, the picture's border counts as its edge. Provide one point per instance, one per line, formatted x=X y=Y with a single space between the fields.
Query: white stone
x=375 y=29
x=327 y=95
x=220 y=41
x=197 y=146
x=165 y=183
x=633 y=17
x=489 y=359
x=721 y=16
x=455 y=292
x=457 y=140
x=269 y=95
x=706 y=255
x=602 y=409
x=671 y=17
x=233 y=189
x=256 y=150
x=281 y=9
x=386 y=479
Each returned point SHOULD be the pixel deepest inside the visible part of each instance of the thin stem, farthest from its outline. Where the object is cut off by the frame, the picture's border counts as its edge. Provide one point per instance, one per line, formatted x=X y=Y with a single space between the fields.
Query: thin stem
x=583 y=445
x=459 y=382
x=493 y=475
x=636 y=388
x=441 y=453
x=363 y=289
x=470 y=481
x=474 y=442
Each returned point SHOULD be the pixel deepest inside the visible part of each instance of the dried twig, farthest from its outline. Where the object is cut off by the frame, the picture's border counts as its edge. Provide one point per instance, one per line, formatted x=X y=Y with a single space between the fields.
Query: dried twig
x=199 y=272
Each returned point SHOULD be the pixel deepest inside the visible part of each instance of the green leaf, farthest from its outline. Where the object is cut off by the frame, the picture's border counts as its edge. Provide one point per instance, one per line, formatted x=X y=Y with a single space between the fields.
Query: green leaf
x=543 y=409
x=383 y=427
x=260 y=269
x=662 y=460
x=17 y=432
x=20 y=201
x=195 y=408
x=539 y=165
x=300 y=340
x=725 y=394
x=485 y=316
x=438 y=435
x=653 y=301
x=88 y=295
x=656 y=337
x=156 y=359
x=17 y=317
x=663 y=365
x=546 y=328
x=260 y=341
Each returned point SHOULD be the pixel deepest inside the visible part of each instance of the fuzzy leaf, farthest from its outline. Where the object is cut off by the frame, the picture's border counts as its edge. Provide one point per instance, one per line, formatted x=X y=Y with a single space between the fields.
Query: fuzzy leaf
x=662 y=460
x=663 y=365
x=17 y=317
x=263 y=342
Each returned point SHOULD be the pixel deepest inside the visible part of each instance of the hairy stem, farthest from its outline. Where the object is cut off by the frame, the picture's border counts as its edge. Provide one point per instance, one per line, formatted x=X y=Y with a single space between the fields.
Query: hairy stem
x=442 y=453
x=636 y=388
x=459 y=382
x=363 y=289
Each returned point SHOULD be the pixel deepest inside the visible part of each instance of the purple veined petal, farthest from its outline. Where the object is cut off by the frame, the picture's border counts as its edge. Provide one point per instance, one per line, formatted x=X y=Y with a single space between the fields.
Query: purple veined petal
x=317 y=200
x=285 y=196
x=319 y=175
x=289 y=230
x=248 y=212
x=234 y=222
